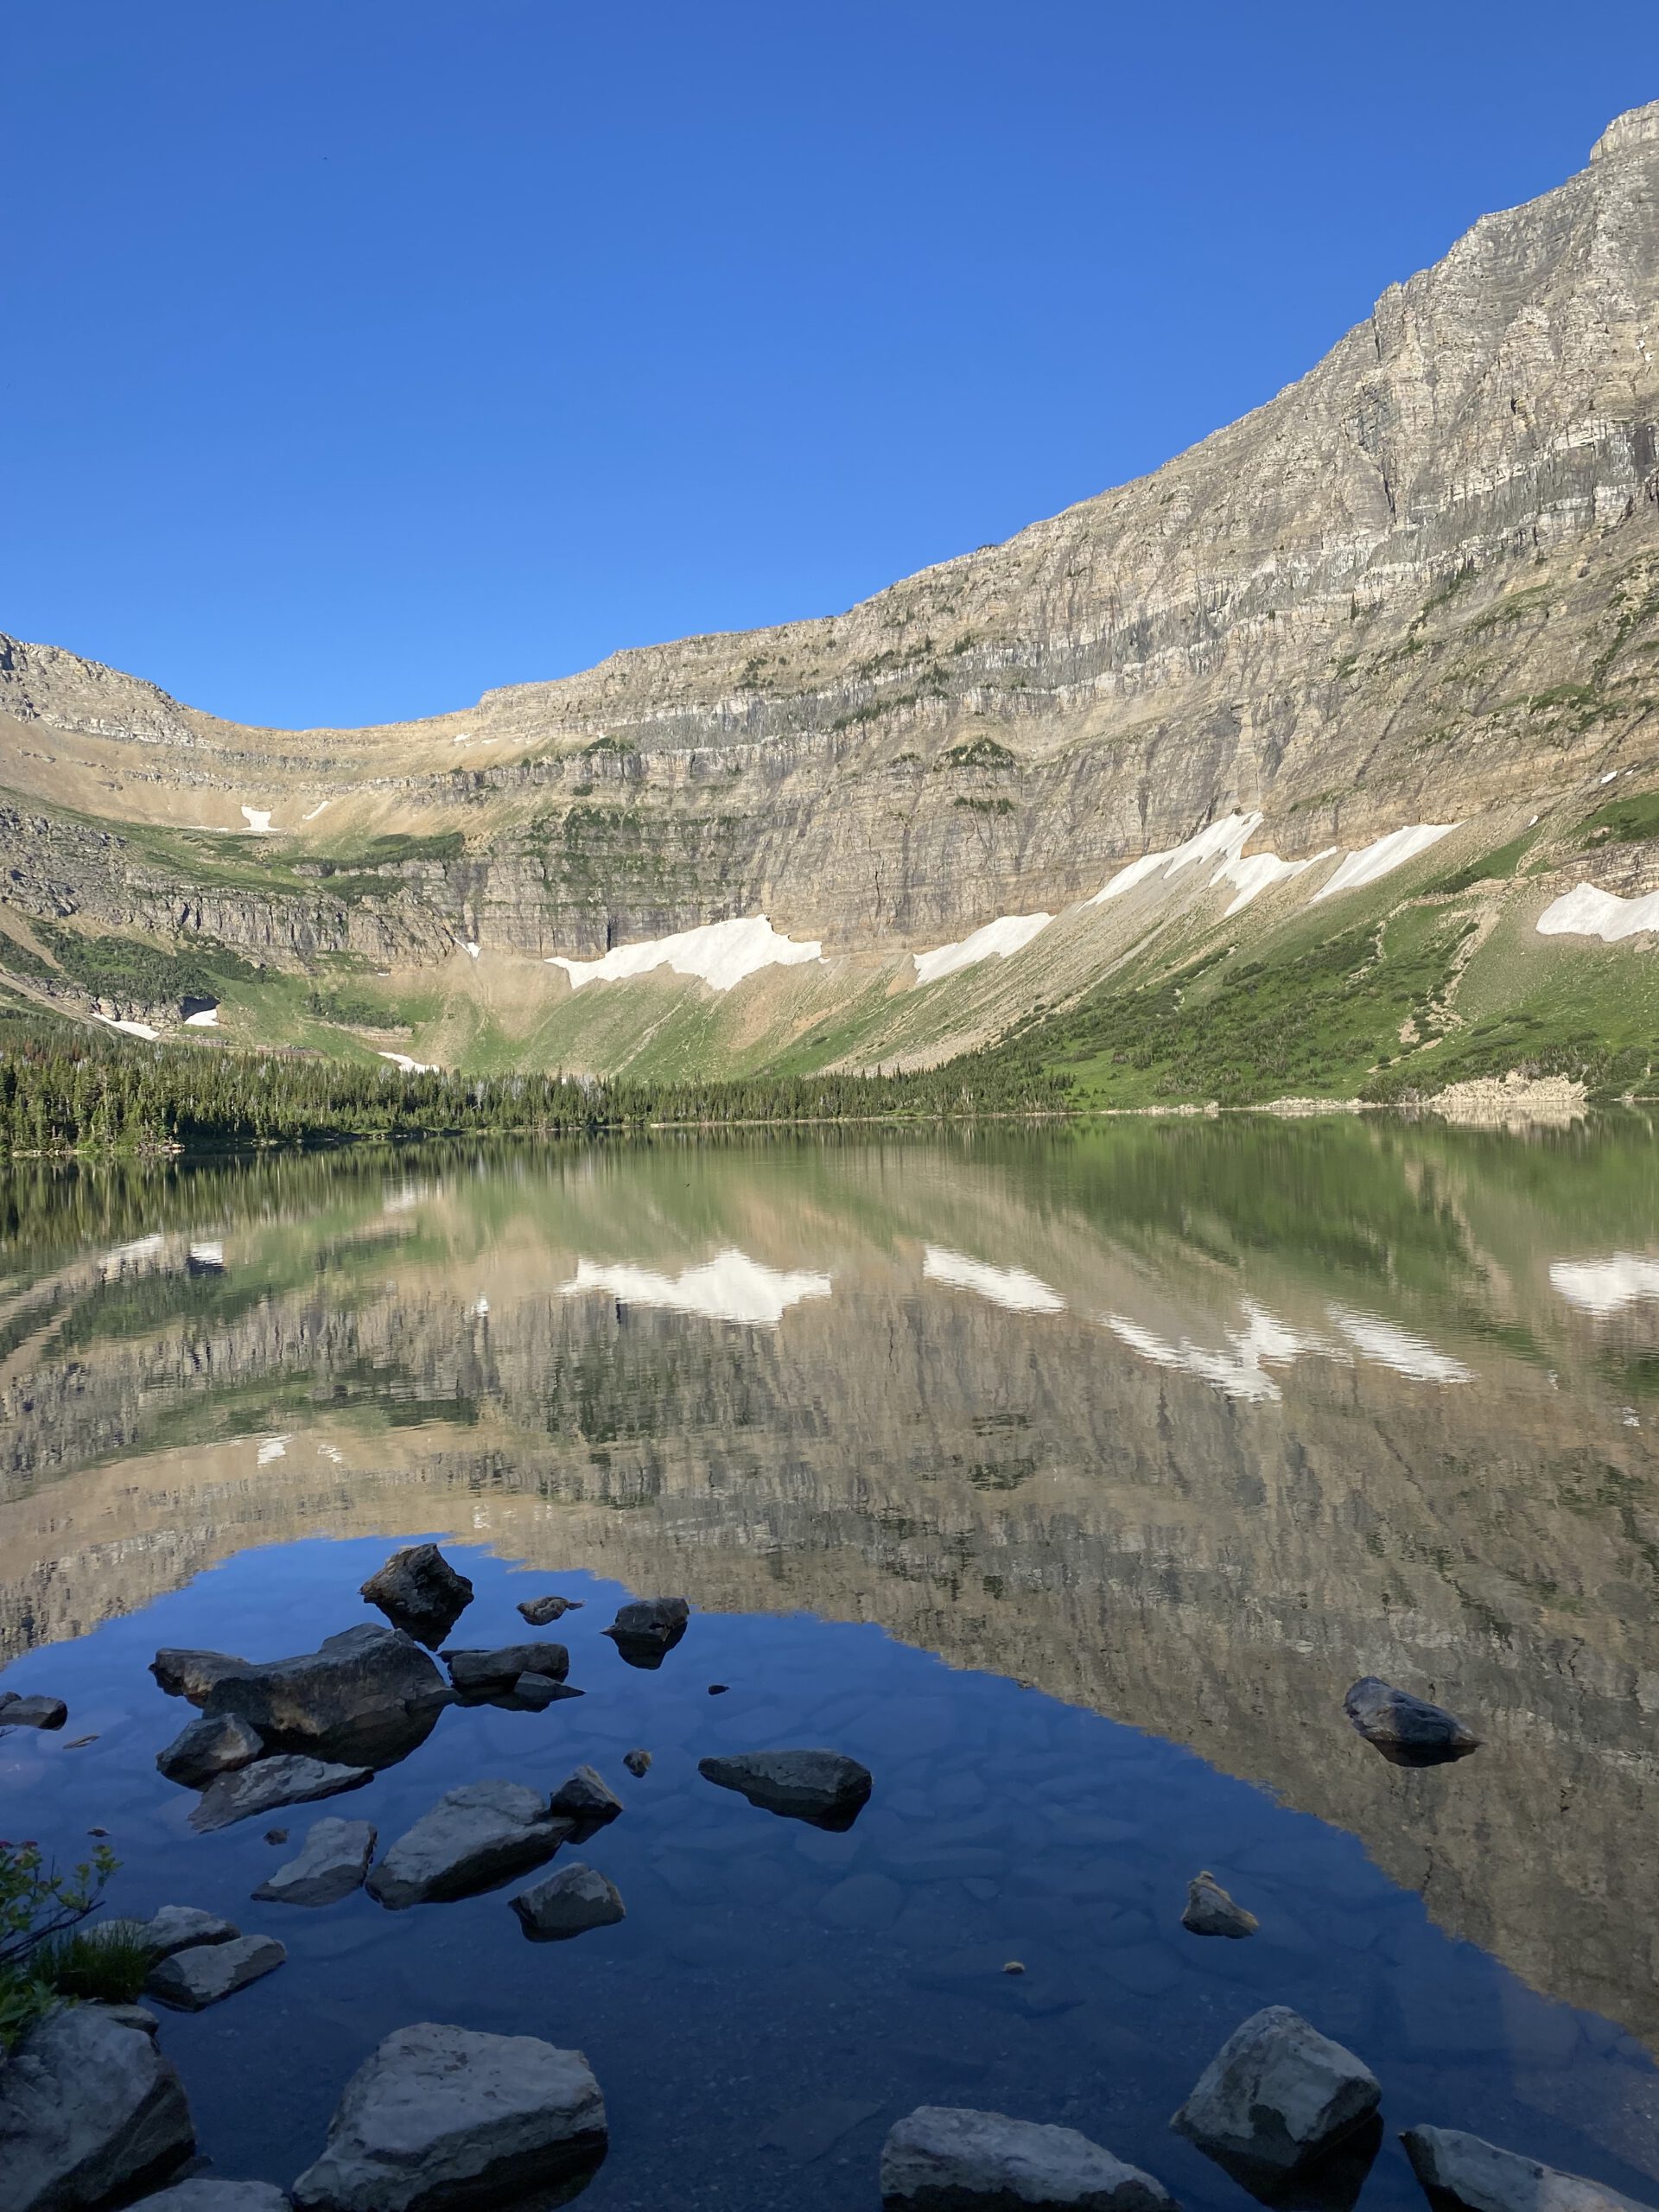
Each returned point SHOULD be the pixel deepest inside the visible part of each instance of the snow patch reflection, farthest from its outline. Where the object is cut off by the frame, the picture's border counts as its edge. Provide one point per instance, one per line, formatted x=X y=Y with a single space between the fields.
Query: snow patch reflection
x=729 y=1288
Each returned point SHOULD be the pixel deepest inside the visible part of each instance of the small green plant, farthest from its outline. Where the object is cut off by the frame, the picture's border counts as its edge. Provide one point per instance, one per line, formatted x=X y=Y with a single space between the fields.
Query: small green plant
x=39 y=1908
x=100 y=1966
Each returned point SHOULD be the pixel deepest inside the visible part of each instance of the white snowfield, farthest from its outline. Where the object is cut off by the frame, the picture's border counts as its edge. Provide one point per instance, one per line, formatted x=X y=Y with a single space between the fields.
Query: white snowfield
x=720 y=953
x=259 y=822
x=1586 y=911
x=1382 y=857
x=1238 y=1368
x=1224 y=842
x=207 y=1018
x=1022 y=1292
x=1386 y=1346
x=729 y=1288
x=129 y=1029
x=412 y=1067
x=1605 y=1285
x=997 y=940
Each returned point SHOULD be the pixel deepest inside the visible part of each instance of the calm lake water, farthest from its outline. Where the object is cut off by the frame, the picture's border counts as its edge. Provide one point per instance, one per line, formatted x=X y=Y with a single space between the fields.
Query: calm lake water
x=1066 y=1480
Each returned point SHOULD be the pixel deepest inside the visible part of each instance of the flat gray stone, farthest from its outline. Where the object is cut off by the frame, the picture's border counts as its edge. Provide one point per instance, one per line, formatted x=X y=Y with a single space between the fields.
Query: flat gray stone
x=331 y=1863
x=541 y=1612
x=209 y=2193
x=568 y=1903
x=17 y=1712
x=89 y=2110
x=825 y=1788
x=1277 y=2095
x=174 y=1927
x=944 y=2159
x=191 y=1980
x=1211 y=1911
x=473 y=1672
x=1406 y=1730
x=586 y=1796
x=367 y=1681
x=212 y=1743
x=290 y=1780
x=473 y=1837
x=1486 y=2179
x=441 y=2119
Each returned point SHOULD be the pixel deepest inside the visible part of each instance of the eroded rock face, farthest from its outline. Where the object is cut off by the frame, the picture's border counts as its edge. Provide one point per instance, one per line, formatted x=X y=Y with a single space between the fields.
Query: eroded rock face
x=271 y=1783
x=357 y=1684
x=331 y=1863
x=473 y=1837
x=441 y=2119
x=946 y=2158
x=1406 y=1730
x=1278 y=2096
x=192 y=1980
x=569 y=1902
x=1478 y=2175
x=420 y=1593
x=824 y=1788
x=89 y=2110
x=217 y=1743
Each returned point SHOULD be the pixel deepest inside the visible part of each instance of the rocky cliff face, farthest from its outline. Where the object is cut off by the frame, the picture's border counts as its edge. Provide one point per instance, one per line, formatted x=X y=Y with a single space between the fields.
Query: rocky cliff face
x=1421 y=583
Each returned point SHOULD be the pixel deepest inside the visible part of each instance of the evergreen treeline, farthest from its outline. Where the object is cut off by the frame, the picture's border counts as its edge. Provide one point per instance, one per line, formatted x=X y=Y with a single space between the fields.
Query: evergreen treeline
x=59 y=1093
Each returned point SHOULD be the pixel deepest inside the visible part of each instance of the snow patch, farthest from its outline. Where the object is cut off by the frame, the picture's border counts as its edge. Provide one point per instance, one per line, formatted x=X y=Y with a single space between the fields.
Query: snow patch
x=315 y=811
x=1240 y=1371
x=1605 y=1285
x=259 y=822
x=1382 y=857
x=1387 y=1346
x=1586 y=911
x=412 y=1067
x=207 y=1018
x=129 y=1029
x=1011 y=1287
x=1250 y=878
x=123 y=1256
x=274 y=1447
x=470 y=950
x=1224 y=840
x=998 y=940
x=729 y=1288
x=720 y=953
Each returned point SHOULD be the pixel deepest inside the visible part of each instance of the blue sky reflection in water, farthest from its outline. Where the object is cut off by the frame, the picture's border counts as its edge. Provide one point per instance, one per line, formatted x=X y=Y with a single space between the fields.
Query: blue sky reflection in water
x=1067 y=1483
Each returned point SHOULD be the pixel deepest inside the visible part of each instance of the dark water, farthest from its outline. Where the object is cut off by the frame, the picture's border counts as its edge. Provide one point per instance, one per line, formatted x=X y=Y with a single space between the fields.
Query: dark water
x=1065 y=1481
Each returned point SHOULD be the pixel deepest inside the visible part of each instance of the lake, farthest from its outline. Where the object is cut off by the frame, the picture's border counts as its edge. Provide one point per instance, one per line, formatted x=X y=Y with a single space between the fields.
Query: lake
x=1066 y=1479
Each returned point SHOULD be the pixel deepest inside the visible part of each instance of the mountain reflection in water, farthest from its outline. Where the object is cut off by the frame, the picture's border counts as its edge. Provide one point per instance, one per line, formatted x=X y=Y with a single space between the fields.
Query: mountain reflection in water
x=1190 y=1424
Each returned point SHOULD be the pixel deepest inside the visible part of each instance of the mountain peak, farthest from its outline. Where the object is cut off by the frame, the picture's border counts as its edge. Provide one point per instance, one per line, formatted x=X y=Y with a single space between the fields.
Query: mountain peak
x=1637 y=126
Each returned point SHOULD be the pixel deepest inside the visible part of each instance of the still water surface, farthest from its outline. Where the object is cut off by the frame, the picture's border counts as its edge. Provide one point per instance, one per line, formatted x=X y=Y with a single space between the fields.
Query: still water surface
x=1067 y=1481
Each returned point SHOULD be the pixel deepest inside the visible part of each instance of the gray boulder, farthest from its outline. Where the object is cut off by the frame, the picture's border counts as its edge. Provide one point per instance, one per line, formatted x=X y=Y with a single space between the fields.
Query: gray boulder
x=89 y=2110
x=638 y=1763
x=479 y=1672
x=1477 y=2174
x=212 y=1743
x=1406 y=1730
x=944 y=2159
x=420 y=1593
x=441 y=2119
x=1211 y=1912
x=260 y=1789
x=586 y=1796
x=540 y=1613
x=646 y=1632
x=1277 y=2096
x=825 y=1788
x=473 y=1838
x=366 y=1683
x=331 y=1863
x=174 y=1927
x=209 y=2193
x=132 y=2016
x=568 y=1903
x=17 y=1712
x=191 y=1980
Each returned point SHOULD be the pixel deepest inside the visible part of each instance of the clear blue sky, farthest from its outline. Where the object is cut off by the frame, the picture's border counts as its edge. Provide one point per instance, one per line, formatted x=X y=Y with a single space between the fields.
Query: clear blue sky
x=357 y=355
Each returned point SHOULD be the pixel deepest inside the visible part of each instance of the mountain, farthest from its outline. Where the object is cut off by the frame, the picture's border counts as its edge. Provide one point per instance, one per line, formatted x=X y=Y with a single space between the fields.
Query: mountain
x=1403 y=609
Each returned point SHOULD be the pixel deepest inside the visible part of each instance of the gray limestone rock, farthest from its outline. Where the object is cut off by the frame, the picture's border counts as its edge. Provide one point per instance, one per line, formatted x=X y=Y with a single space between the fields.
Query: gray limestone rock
x=646 y=1631
x=576 y=1898
x=331 y=1863
x=825 y=1788
x=211 y=1744
x=638 y=1763
x=1211 y=1912
x=366 y=1682
x=942 y=2159
x=420 y=1593
x=1406 y=1730
x=191 y=1980
x=473 y=1673
x=473 y=1838
x=259 y=1789
x=89 y=2111
x=1277 y=2095
x=441 y=2119
x=1449 y=2162
x=541 y=1612
x=17 y=1712
x=586 y=1796
x=174 y=1927
x=211 y=2193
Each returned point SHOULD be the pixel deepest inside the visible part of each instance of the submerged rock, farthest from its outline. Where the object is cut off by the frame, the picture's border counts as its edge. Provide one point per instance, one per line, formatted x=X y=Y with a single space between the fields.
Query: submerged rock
x=646 y=1632
x=476 y=1673
x=540 y=1611
x=1450 y=2164
x=420 y=1593
x=271 y=1783
x=568 y=1903
x=332 y=1863
x=212 y=1743
x=210 y=2193
x=441 y=2119
x=533 y=1693
x=1406 y=1730
x=473 y=1838
x=944 y=2158
x=825 y=1788
x=368 y=1686
x=191 y=1980
x=638 y=1763
x=89 y=2111
x=1211 y=1912
x=17 y=1712
x=174 y=1927
x=1277 y=2096
x=586 y=1796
